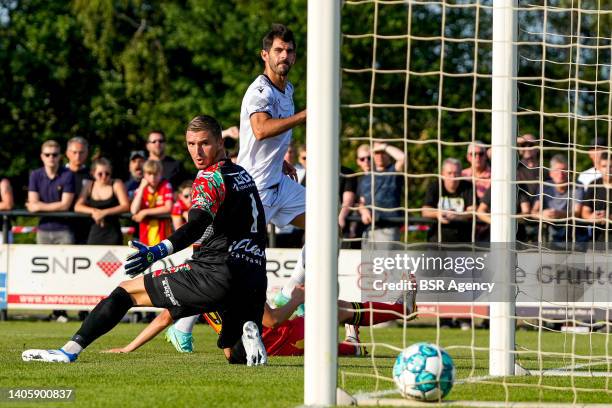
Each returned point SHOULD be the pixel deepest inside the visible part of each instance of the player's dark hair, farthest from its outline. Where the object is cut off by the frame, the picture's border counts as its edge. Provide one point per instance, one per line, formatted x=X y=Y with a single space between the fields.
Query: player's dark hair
x=278 y=31
x=205 y=123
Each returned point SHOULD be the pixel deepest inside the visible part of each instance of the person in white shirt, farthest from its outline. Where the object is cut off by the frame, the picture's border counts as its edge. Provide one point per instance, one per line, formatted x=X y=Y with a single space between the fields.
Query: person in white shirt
x=598 y=146
x=266 y=121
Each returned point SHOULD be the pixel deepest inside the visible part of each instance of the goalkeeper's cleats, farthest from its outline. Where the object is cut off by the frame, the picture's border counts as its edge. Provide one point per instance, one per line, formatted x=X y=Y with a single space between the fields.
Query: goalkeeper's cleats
x=182 y=342
x=48 y=356
x=253 y=345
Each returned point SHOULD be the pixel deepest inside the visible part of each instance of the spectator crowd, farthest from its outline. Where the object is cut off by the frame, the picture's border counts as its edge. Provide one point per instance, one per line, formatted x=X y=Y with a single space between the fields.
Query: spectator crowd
x=372 y=201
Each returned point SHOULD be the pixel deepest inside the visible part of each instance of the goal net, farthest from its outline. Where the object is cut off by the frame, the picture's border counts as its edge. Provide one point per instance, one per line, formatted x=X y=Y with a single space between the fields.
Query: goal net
x=528 y=141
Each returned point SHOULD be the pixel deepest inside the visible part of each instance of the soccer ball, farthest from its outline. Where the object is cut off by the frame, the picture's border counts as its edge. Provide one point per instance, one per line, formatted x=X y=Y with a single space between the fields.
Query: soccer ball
x=424 y=372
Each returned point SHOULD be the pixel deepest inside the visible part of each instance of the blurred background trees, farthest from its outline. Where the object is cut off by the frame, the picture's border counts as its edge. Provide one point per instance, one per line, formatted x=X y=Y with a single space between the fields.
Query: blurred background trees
x=110 y=70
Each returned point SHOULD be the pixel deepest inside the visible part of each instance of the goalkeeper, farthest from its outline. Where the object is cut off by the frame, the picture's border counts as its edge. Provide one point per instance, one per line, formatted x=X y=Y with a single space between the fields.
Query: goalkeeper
x=227 y=271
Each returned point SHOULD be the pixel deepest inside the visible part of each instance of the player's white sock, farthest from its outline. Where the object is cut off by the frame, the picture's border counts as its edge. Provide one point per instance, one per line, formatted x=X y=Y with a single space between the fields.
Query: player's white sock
x=186 y=324
x=72 y=347
x=298 y=276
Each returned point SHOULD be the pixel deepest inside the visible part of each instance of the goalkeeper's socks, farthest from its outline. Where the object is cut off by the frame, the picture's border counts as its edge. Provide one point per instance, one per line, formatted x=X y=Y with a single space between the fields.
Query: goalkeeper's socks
x=72 y=348
x=185 y=324
x=104 y=317
x=370 y=313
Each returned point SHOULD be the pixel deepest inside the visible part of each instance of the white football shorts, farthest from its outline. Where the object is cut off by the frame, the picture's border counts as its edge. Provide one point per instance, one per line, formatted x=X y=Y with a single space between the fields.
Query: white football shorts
x=283 y=202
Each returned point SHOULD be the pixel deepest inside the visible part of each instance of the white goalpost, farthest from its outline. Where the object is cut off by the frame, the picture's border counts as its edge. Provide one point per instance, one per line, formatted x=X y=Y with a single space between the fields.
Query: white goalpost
x=433 y=78
x=503 y=173
x=323 y=101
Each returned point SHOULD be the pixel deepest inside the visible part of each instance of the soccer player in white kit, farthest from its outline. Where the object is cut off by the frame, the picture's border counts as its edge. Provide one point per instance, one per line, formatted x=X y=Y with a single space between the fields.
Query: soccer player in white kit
x=266 y=121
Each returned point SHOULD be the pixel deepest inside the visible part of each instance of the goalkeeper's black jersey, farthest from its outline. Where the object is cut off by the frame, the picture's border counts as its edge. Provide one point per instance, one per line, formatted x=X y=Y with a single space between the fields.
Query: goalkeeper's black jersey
x=237 y=235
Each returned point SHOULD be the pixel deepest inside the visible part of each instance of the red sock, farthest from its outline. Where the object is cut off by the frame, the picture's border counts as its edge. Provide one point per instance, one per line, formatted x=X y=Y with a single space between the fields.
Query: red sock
x=370 y=313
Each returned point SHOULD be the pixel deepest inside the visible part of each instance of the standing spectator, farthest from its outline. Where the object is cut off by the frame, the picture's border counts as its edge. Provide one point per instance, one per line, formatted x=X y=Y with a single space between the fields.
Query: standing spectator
x=557 y=204
x=484 y=210
x=479 y=169
x=6 y=204
x=51 y=189
x=172 y=170
x=181 y=206
x=598 y=146
x=104 y=200
x=348 y=198
x=598 y=201
x=380 y=194
x=528 y=167
x=153 y=197
x=450 y=201
x=77 y=150
x=529 y=171
x=137 y=159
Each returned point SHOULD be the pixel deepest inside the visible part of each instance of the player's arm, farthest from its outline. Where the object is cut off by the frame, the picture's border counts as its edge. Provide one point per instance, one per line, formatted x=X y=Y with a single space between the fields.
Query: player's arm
x=396 y=154
x=158 y=324
x=273 y=318
x=35 y=205
x=137 y=201
x=6 y=195
x=202 y=213
x=186 y=235
x=264 y=126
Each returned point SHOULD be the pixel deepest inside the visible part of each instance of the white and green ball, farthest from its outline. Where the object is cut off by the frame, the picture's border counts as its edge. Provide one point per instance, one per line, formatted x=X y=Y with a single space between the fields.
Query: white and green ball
x=424 y=372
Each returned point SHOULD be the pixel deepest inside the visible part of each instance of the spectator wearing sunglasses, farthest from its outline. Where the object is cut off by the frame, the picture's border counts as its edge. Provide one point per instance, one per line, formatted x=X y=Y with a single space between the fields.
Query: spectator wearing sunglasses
x=172 y=170
x=181 y=206
x=479 y=169
x=104 y=200
x=379 y=193
x=51 y=189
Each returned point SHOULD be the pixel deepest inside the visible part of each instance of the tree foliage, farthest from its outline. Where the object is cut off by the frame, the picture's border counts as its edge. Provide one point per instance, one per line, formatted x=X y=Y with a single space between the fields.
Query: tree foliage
x=110 y=70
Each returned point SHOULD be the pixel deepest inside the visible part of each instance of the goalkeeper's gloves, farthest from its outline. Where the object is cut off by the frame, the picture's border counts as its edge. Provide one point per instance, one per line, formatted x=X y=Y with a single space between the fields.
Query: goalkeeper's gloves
x=139 y=261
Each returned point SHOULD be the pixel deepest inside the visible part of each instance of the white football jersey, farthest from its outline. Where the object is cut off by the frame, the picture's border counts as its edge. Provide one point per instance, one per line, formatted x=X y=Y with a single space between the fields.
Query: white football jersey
x=263 y=159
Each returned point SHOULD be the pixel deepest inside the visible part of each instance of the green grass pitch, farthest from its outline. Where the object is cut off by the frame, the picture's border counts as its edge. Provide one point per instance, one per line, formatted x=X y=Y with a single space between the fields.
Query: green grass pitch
x=156 y=375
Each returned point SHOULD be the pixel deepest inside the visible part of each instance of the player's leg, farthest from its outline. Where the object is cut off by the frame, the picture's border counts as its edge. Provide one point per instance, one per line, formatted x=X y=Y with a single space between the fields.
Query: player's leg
x=101 y=320
x=240 y=336
x=371 y=313
x=163 y=320
x=290 y=206
x=180 y=334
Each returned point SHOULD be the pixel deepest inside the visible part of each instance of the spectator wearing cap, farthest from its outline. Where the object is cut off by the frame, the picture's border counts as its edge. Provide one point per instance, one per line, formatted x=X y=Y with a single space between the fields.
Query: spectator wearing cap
x=172 y=169
x=137 y=159
x=598 y=146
